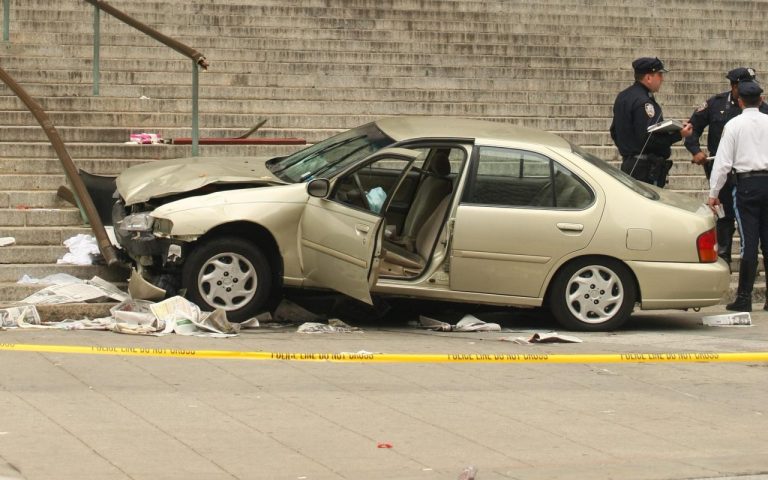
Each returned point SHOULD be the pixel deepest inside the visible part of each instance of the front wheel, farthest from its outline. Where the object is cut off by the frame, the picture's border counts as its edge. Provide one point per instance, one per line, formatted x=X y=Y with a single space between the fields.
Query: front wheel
x=593 y=294
x=228 y=273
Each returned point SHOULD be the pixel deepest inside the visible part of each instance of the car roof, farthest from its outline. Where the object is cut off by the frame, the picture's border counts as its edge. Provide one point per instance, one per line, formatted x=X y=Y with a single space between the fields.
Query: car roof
x=404 y=128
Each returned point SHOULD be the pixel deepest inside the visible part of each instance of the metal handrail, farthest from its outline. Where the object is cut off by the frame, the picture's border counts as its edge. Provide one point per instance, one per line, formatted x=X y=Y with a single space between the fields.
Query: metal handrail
x=85 y=202
x=198 y=58
x=6 y=20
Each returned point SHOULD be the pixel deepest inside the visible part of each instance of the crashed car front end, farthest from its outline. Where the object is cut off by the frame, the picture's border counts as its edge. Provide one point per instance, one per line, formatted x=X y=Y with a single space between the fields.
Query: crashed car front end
x=145 y=237
x=150 y=250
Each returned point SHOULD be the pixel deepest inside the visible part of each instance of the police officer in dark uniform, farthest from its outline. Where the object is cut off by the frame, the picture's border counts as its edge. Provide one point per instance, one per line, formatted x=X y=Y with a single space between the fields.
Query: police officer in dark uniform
x=715 y=113
x=743 y=150
x=644 y=156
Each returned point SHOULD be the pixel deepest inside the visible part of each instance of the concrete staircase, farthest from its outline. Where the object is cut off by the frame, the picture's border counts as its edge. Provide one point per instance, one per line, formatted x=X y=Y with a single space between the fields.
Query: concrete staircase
x=315 y=67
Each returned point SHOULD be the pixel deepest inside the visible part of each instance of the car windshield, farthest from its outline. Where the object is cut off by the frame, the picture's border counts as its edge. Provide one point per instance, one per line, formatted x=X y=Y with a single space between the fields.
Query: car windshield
x=327 y=158
x=636 y=185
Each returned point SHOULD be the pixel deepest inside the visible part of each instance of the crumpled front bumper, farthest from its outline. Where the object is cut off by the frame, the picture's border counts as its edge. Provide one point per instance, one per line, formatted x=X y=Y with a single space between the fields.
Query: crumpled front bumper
x=144 y=248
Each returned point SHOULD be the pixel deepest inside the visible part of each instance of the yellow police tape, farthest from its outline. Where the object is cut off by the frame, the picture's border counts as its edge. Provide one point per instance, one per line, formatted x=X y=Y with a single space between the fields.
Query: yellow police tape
x=397 y=357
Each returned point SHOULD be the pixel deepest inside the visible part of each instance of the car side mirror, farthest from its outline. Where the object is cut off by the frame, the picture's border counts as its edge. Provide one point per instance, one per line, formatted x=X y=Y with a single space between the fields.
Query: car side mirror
x=319 y=187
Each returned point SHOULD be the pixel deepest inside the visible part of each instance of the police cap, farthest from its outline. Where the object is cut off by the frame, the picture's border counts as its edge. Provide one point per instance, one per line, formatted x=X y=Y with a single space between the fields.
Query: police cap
x=741 y=74
x=648 y=65
x=749 y=89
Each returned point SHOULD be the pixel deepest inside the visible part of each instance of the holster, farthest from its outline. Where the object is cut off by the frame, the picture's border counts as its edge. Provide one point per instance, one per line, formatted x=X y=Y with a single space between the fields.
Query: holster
x=658 y=167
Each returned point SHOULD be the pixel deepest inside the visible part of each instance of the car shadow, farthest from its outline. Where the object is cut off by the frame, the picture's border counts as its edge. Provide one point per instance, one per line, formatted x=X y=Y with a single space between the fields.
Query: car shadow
x=405 y=313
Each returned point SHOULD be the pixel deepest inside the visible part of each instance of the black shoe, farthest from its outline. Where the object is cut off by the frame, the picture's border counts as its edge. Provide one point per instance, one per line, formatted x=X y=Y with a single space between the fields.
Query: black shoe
x=740 y=304
x=765 y=307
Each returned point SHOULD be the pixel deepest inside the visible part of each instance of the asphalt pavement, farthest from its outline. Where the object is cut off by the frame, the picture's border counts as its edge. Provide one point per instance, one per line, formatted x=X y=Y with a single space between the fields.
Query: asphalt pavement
x=92 y=416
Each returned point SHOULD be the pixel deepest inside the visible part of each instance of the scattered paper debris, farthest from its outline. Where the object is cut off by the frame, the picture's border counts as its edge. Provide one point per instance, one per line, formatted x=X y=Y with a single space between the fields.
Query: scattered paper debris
x=53 y=279
x=547 y=337
x=19 y=317
x=136 y=312
x=7 y=241
x=741 y=319
x=185 y=318
x=82 y=250
x=89 y=290
x=334 y=326
x=469 y=323
x=433 y=324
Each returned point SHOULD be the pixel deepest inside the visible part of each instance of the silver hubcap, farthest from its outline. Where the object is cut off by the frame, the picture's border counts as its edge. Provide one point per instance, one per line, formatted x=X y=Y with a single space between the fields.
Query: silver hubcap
x=227 y=281
x=594 y=294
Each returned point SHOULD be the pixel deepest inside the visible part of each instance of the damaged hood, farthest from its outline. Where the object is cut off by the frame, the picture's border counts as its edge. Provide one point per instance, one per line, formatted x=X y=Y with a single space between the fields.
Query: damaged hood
x=169 y=177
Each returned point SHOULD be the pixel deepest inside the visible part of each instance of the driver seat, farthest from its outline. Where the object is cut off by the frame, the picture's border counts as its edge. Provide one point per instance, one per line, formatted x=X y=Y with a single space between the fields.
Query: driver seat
x=399 y=260
x=433 y=189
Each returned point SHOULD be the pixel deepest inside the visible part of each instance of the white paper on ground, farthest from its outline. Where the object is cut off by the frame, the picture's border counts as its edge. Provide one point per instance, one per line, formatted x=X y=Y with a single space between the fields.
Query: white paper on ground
x=469 y=323
x=546 y=337
x=741 y=319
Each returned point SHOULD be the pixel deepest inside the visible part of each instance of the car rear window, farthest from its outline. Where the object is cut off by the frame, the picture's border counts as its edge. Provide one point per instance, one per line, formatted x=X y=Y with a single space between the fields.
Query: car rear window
x=635 y=185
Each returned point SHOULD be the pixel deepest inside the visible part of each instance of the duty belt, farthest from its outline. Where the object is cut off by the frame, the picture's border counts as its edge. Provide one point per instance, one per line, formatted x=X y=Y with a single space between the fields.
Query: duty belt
x=753 y=173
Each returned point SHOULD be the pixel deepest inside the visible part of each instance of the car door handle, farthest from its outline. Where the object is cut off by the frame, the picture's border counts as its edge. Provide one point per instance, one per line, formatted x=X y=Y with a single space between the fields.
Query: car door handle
x=570 y=227
x=362 y=228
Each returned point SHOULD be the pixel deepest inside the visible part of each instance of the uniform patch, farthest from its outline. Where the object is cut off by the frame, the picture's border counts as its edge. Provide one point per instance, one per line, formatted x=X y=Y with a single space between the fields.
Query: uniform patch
x=649 y=110
x=702 y=107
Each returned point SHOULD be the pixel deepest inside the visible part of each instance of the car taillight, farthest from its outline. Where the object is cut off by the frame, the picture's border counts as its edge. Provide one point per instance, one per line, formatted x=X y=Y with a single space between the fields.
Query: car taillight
x=706 y=245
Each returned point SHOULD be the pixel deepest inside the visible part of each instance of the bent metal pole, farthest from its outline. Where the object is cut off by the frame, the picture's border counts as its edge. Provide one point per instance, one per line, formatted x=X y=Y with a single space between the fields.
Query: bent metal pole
x=86 y=203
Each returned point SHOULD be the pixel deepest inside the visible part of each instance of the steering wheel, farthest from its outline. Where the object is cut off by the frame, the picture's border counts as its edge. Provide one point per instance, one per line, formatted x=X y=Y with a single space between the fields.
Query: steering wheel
x=359 y=186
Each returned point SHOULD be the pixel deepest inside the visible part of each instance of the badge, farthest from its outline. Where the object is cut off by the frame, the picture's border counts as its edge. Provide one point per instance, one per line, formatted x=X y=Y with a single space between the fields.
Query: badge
x=751 y=72
x=702 y=107
x=649 y=110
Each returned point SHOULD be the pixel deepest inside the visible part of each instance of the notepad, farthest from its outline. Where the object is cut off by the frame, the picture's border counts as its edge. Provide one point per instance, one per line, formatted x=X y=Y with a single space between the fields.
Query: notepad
x=665 y=126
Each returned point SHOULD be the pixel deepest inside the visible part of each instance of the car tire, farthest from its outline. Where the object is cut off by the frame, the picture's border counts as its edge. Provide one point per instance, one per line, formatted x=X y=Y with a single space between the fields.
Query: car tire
x=228 y=273
x=593 y=294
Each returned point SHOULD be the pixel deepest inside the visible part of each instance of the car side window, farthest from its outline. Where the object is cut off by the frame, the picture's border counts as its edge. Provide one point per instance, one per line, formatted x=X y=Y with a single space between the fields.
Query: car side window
x=519 y=178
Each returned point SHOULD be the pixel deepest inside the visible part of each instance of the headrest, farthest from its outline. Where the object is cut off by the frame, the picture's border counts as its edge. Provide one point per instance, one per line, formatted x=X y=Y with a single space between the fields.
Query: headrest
x=440 y=164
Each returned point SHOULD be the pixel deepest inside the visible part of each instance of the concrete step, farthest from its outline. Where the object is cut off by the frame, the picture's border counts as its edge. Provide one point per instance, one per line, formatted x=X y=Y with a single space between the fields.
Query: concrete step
x=27 y=199
x=252 y=86
x=245 y=104
x=133 y=151
x=39 y=166
x=247 y=43
x=32 y=182
x=675 y=25
x=119 y=135
x=40 y=217
x=321 y=66
x=493 y=56
x=431 y=5
x=157 y=12
x=13 y=272
x=43 y=235
x=32 y=254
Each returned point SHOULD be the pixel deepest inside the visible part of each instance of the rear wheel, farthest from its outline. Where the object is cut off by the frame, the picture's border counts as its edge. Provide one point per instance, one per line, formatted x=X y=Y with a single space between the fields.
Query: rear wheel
x=593 y=294
x=228 y=273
